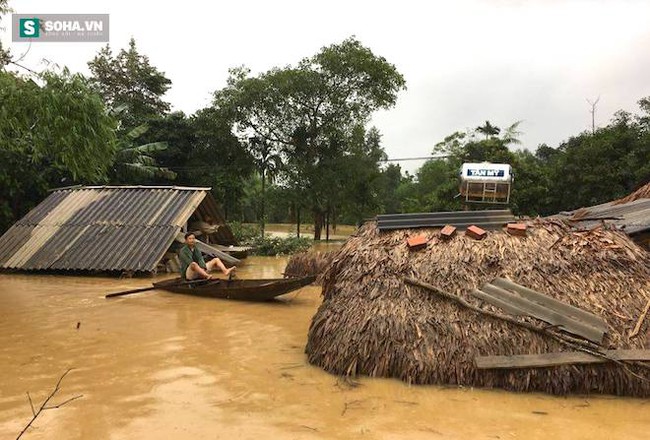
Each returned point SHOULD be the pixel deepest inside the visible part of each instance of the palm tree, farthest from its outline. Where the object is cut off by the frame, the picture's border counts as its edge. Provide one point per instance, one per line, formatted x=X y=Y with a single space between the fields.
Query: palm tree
x=268 y=163
x=511 y=134
x=488 y=129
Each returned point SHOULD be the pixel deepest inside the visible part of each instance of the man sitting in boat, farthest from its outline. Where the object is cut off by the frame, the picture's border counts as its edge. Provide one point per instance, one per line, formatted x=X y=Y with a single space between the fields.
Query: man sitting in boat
x=193 y=266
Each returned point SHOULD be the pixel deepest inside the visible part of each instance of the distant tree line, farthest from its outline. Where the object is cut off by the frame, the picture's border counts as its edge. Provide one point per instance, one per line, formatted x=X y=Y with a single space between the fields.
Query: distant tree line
x=288 y=145
x=585 y=170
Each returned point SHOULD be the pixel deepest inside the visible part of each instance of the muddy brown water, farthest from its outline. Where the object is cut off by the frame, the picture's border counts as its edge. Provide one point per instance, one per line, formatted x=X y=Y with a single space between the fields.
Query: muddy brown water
x=162 y=366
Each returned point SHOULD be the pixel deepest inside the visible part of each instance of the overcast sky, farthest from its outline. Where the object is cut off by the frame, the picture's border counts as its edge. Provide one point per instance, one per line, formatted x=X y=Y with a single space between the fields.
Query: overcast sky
x=464 y=61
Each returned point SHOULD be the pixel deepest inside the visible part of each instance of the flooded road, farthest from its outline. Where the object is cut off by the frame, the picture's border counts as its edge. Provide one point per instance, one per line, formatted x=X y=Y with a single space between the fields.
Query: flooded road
x=162 y=366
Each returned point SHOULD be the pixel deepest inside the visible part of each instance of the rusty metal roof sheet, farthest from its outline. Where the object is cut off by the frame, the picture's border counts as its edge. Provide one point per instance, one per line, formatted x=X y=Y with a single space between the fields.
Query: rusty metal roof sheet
x=103 y=228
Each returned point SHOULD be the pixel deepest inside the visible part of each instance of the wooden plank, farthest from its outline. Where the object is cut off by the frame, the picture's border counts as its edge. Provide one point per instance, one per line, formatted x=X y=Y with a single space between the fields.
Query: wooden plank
x=209 y=250
x=497 y=302
x=539 y=311
x=553 y=304
x=559 y=358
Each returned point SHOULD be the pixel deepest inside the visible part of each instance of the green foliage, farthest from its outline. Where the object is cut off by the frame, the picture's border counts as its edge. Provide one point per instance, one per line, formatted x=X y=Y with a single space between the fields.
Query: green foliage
x=587 y=169
x=136 y=164
x=386 y=186
x=271 y=246
x=129 y=80
x=313 y=116
x=244 y=233
x=217 y=158
x=5 y=56
x=54 y=131
x=268 y=164
x=593 y=168
x=488 y=130
x=61 y=123
x=251 y=235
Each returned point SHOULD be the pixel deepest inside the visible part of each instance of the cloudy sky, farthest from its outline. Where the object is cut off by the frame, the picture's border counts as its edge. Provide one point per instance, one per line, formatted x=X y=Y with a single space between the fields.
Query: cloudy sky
x=464 y=61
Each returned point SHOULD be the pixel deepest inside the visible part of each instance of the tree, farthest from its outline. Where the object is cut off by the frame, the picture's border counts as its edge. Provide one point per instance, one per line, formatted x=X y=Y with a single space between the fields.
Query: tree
x=309 y=111
x=135 y=163
x=218 y=159
x=268 y=165
x=437 y=185
x=593 y=168
x=488 y=130
x=352 y=179
x=461 y=147
x=54 y=131
x=386 y=187
x=5 y=57
x=128 y=79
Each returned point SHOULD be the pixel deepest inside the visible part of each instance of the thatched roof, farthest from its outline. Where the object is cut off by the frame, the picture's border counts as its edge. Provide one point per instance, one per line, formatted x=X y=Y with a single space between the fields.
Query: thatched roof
x=641 y=193
x=372 y=323
x=309 y=263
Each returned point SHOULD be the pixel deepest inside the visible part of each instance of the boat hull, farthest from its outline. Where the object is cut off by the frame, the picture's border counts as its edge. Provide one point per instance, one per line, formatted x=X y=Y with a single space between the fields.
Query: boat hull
x=241 y=290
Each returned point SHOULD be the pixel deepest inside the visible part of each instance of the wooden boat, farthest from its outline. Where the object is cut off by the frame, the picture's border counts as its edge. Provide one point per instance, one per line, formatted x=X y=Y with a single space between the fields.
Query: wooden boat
x=243 y=290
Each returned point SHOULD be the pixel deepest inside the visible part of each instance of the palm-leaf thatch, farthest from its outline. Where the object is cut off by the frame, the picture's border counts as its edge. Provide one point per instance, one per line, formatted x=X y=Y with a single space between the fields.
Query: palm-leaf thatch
x=372 y=323
x=641 y=193
x=309 y=263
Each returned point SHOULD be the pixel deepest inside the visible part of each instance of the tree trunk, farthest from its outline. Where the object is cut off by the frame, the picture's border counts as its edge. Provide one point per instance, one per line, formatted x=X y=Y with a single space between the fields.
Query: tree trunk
x=327 y=225
x=298 y=220
x=263 y=202
x=318 y=224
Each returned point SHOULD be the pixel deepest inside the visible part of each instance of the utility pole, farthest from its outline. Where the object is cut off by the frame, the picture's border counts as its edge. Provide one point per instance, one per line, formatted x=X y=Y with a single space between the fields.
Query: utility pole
x=593 y=113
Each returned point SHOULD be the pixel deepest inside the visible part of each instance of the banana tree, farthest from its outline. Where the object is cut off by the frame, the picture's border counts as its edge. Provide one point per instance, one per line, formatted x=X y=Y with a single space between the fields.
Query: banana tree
x=137 y=162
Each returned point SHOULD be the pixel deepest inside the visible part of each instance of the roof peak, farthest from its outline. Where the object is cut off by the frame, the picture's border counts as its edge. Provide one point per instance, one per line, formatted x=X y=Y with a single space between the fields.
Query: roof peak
x=176 y=188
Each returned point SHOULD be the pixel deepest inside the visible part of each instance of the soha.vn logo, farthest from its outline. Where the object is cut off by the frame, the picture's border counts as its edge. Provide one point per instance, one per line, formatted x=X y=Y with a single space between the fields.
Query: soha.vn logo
x=29 y=28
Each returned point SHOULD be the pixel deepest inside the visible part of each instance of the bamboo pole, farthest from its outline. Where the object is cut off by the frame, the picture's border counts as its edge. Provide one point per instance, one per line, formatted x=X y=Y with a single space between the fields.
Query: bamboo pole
x=562 y=339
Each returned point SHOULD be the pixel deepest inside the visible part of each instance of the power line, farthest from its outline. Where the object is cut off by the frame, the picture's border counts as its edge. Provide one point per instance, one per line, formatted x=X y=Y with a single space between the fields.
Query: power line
x=399 y=159
x=404 y=159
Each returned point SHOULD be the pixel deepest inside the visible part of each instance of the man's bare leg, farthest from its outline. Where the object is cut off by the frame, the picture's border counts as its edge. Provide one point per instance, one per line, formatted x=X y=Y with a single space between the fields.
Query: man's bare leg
x=199 y=270
x=218 y=263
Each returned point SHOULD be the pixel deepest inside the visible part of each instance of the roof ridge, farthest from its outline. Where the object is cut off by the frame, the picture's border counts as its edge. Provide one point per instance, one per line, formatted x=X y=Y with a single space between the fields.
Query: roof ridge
x=172 y=187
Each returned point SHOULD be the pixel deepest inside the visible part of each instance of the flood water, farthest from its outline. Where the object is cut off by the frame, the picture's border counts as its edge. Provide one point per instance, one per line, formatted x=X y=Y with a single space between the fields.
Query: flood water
x=162 y=366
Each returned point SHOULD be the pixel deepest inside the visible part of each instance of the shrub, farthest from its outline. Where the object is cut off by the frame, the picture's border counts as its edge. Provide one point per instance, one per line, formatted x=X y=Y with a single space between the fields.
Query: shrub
x=270 y=246
x=244 y=233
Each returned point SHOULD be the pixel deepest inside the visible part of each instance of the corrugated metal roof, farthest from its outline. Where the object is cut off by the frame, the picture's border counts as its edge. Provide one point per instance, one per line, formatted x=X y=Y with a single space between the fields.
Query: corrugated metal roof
x=632 y=217
x=103 y=228
x=487 y=219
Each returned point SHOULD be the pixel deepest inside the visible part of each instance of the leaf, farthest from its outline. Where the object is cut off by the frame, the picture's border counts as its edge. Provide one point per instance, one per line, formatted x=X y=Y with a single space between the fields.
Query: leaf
x=151 y=147
x=137 y=131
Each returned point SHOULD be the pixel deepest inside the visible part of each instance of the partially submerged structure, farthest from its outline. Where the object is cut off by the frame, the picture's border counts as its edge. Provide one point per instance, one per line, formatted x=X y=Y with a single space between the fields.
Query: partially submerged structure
x=110 y=229
x=631 y=214
x=310 y=263
x=372 y=322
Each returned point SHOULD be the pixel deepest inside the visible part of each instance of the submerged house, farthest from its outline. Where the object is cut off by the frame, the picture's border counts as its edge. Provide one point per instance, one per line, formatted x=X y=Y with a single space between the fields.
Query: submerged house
x=373 y=321
x=119 y=229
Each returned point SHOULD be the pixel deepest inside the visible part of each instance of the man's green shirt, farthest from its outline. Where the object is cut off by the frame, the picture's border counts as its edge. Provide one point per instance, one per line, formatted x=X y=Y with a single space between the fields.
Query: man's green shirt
x=187 y=256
